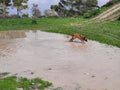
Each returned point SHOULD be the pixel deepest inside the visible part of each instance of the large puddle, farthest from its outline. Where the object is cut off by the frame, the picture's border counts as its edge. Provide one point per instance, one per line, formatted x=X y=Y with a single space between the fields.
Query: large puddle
x=70 y=65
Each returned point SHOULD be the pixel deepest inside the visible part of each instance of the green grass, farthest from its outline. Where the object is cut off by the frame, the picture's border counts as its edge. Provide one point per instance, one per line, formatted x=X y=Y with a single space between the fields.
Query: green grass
x=8 y=83
x=13 y=83
x=105 y=32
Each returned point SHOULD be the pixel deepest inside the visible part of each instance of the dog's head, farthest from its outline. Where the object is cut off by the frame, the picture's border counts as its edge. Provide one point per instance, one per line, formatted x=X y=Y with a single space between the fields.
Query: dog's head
x=85 y=39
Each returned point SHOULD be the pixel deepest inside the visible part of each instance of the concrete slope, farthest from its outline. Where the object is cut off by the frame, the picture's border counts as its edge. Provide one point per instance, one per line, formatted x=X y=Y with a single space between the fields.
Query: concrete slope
x=110 y=14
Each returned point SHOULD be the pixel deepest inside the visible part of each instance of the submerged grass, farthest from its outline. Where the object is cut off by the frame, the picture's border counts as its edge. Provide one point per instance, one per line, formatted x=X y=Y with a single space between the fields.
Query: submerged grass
x=105 y=32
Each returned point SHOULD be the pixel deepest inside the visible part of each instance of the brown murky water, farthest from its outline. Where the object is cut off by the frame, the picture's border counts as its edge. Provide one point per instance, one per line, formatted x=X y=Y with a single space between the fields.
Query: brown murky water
x=70 y=65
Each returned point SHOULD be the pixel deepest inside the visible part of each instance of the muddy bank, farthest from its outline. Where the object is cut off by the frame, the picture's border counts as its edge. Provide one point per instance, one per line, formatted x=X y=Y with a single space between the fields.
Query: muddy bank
x=70 y=65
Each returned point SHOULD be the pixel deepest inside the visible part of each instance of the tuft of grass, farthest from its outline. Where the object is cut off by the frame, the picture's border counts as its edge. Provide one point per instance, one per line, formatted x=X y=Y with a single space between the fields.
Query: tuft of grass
x=42 y=85
x=24 y=83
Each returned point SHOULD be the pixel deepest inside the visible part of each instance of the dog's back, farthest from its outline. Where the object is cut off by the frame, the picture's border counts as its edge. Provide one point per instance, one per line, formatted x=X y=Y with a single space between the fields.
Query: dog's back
x=79 y=36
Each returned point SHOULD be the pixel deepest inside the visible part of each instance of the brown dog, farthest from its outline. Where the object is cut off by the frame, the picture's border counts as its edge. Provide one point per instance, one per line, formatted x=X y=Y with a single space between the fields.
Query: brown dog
x=79 y=36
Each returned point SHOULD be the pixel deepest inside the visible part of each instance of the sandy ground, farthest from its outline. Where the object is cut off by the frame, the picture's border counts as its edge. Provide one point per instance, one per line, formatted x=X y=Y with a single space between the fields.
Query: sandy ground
x=70 y=65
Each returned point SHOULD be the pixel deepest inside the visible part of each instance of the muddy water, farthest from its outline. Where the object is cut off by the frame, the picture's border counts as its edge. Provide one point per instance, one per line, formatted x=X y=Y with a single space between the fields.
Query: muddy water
x=70 y=65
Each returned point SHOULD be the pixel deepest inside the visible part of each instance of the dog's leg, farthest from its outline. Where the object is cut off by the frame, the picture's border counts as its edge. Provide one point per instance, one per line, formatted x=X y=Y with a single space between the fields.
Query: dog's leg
x=82 y=41
x=73 y=37
x=71 y=40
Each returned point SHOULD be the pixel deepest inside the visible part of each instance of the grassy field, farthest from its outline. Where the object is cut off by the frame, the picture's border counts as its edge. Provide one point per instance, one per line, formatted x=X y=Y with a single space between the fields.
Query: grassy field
x=104 y=32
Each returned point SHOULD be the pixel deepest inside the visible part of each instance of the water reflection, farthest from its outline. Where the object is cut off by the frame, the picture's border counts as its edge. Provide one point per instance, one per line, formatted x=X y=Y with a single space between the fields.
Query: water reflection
x=78 y=46
x=8 y=44
x=12 y=34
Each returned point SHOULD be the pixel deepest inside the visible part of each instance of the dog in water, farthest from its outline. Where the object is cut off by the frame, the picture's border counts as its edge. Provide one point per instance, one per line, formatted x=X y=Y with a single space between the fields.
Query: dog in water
x=78 y=36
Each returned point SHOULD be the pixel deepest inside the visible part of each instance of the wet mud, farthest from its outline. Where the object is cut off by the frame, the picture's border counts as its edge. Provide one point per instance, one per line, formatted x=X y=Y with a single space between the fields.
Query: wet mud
x=68 y=65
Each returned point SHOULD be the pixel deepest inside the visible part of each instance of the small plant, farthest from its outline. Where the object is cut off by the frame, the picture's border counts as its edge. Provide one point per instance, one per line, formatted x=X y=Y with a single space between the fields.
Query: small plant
x=34 y=21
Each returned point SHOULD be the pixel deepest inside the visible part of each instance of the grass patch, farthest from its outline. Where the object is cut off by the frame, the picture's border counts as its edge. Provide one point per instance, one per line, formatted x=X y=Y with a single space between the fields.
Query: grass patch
x=8 y=83
x=13 y=83
x=105 y=32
